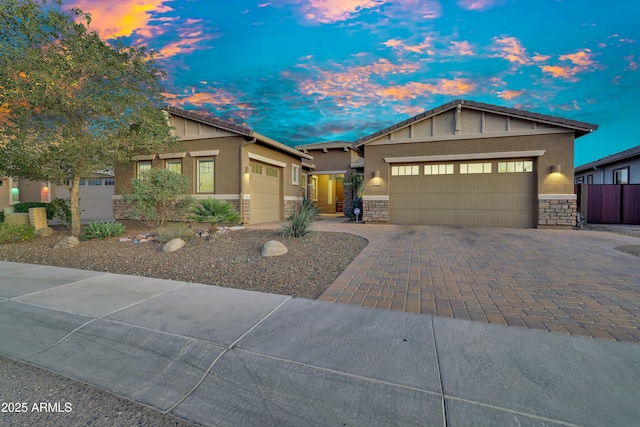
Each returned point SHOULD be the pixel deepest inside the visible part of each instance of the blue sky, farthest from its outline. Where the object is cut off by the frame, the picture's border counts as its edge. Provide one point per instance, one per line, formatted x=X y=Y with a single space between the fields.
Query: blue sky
x=305 y=71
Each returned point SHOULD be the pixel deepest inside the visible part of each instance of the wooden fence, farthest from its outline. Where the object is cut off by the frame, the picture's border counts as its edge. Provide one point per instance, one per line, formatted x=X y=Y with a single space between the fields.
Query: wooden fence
x=609 y=203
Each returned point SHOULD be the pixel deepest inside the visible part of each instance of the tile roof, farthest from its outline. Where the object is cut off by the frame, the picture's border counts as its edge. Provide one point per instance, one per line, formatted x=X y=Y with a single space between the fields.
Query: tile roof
x=616 y=157
x=206 y=118
x=582 y=128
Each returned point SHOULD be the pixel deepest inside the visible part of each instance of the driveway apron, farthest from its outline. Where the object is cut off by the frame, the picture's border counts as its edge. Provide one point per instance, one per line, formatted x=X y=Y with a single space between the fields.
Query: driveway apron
x=567 y=281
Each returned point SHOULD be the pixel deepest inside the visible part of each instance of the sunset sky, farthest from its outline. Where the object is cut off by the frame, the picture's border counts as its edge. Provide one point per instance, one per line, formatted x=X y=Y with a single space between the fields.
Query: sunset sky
x=305 y=71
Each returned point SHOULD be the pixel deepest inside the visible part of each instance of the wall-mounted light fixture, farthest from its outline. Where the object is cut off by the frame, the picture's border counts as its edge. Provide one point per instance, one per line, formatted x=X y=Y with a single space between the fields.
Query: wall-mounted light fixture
x=555 y=169
x=376 y=174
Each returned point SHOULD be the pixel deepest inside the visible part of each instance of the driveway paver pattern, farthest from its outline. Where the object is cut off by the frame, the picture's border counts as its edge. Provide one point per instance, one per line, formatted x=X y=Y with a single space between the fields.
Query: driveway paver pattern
x=567 y=281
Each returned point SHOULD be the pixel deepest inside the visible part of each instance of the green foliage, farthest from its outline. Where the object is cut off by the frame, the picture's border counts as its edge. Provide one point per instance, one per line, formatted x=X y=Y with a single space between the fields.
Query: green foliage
x=71 y=103
x=357 y=192
x=102 y=230
x=158 y=195
x=214 y=211
x=23 y=207
x=16 y=233
x=60 y=209
x=174 y=231
x=299 y=223
x=1 y=217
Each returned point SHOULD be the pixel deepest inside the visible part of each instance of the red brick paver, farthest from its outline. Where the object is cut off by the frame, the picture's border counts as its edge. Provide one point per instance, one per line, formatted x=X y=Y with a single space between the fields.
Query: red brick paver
x=565 y=281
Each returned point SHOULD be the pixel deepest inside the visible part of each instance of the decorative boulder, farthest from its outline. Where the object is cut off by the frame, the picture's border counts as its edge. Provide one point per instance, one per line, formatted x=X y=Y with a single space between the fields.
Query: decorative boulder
x=274 y=248
x=67 y=242
x=45 y=232
x=173 y=245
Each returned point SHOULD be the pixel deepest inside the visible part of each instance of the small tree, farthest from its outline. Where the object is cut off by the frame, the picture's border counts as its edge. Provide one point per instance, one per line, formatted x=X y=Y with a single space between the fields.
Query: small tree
x=70 y=103
x=158 y=195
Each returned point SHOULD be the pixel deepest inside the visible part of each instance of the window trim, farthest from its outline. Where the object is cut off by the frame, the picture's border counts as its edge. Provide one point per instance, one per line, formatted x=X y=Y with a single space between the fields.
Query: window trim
x=295 y=174
x=625 y=169
x=205 y=159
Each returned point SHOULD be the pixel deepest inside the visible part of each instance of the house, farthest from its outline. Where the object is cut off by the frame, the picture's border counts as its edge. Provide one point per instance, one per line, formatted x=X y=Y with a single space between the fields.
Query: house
x=329 y=185
x=260 y=177
x=470 y=163
x=95 y=193
x=618 y=168
x=609 y=189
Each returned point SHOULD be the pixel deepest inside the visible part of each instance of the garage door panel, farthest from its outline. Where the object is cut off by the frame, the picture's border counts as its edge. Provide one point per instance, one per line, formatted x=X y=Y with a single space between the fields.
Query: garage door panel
x=505 y=200
x=265 y=197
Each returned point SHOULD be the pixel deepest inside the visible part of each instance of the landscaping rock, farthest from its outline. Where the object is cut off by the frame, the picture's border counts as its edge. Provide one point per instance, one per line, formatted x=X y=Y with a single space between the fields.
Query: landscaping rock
x=173 y=245
x=67 y=242
x=45 y=232
x=274 y=248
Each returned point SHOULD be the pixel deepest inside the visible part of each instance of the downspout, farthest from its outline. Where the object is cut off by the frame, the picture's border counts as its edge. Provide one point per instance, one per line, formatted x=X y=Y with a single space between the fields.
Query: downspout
x=601 y=172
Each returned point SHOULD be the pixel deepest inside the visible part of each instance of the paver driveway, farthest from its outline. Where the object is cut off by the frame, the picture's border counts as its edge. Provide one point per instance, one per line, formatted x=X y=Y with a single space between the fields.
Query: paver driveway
x=566 y=281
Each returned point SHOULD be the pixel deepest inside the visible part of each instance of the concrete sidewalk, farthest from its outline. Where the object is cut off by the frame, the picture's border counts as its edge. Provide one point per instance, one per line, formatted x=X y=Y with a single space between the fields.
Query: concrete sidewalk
x=221 y=356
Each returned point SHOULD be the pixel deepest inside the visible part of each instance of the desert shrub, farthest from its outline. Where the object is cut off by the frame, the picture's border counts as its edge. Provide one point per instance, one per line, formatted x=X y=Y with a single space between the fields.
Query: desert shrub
x=214 y=211
x=159 y=195
x=61 y=209
x=102 y=230
x=15 y=233
x=174 y=231
x=299 y=223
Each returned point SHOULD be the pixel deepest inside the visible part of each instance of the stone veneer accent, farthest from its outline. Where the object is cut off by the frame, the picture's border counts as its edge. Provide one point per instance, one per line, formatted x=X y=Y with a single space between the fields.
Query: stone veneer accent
x=347 y=205
x=375 y=210
x=557 y=212
x=290 y=206
x=245 y=216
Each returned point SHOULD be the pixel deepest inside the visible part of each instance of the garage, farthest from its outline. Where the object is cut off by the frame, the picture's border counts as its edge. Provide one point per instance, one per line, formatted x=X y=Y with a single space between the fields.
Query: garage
x=499 y=193
x=95 y=196
x=265 y=193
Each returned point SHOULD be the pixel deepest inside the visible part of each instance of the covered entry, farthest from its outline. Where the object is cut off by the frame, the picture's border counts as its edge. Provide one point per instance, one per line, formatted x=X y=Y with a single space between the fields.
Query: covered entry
x=327 y=191
x=265 y=193
x=500 y=193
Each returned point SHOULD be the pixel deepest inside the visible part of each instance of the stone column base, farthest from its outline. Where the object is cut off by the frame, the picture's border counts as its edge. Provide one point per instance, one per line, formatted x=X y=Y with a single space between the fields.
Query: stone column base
x=375 y=210
x=556 y=212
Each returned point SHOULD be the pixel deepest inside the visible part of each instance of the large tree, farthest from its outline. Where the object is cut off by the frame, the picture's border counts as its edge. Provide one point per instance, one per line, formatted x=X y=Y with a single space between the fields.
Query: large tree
x=70 y=103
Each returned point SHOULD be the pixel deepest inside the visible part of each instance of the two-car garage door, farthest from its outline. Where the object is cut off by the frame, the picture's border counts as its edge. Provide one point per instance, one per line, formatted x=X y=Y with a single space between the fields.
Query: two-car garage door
x=480 y=193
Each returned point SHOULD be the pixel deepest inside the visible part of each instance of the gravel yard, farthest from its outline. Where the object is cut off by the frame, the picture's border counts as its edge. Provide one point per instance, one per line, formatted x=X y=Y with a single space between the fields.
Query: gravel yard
x=232 y=260
x=630 y=249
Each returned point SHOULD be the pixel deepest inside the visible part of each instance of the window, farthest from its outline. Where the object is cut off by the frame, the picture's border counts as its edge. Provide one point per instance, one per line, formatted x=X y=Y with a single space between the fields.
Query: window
x=303 y=184
x=621 y=176
x=1 y=183
x=94 y=182
x=438 y=169
x=272 y=171
x=590 y=179
x=205 y=175
x=405 y=170
x=109 y=181
x=466 y=168
x=314 y=188
x=580 y=180
x=143 y=166
x=295 y=174
x=174 y=166
x=82 y=182
x=512 y=167
x=256 y=168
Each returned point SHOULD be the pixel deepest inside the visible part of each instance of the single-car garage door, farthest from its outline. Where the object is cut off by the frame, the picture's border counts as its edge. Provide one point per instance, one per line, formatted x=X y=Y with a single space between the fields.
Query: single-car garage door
x=265 y=193
x=479 y=193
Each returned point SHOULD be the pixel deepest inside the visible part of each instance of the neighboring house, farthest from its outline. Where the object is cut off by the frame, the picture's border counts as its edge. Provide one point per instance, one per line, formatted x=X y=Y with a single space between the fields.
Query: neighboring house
x=329 y=182
x=260 y=177
x=469 y=163
x=618 y=168
x=95 y=193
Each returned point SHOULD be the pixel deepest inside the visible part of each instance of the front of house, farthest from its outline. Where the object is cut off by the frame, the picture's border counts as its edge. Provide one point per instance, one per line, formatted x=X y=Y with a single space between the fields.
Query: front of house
x=260 y=177
x=472 y=164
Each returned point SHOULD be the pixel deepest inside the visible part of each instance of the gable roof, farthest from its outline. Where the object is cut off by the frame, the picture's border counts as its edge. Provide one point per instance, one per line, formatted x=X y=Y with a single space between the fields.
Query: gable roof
x=616 y=157
x=232 y=127
x=581 y=128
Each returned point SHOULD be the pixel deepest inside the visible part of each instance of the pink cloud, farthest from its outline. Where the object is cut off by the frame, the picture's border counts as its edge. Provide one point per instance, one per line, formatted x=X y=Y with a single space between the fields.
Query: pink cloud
x=540 y=58
x=581 y=58
x=510 y=94
x=328 y=11
x=122 y=17
x=424 y=46
x=462 y=48
x=633 y=64
x=510 y=49
x=581 y=61
x=411 y=90
x=408 y=109
x=476 y=4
